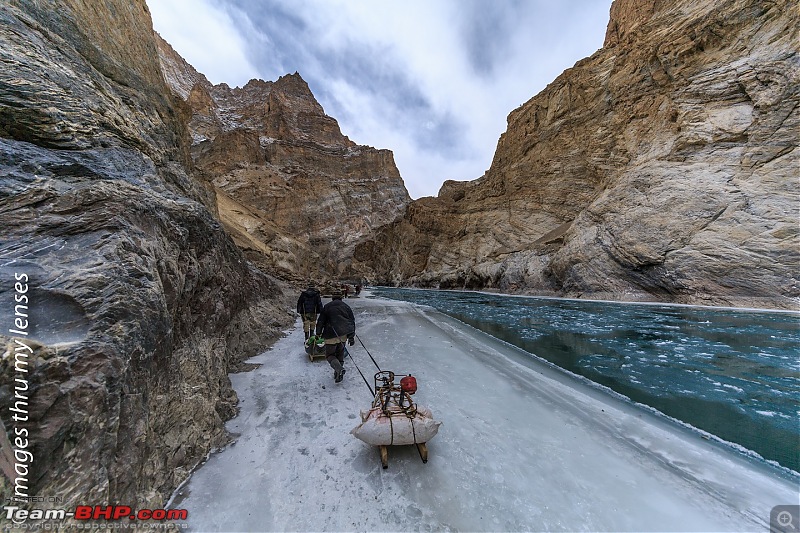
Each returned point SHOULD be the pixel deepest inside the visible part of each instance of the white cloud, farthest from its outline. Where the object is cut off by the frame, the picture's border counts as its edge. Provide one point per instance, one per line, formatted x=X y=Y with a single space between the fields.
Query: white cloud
x=433 y=81
x=206 y=37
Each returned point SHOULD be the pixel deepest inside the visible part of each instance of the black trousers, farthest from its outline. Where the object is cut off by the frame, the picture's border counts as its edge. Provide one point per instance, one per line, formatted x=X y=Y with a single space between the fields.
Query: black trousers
x=334 y=353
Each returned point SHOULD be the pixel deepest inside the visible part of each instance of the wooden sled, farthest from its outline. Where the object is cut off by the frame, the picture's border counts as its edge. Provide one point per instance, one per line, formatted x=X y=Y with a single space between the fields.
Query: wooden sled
x=395 y=420
x=422 y=448
x=315 y=351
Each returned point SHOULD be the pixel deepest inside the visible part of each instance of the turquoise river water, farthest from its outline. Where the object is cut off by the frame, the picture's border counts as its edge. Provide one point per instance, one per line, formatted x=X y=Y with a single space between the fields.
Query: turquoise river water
x=733 y=373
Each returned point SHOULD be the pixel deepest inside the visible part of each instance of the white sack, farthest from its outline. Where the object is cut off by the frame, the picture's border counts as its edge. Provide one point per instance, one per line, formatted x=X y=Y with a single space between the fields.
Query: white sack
x=378 y=429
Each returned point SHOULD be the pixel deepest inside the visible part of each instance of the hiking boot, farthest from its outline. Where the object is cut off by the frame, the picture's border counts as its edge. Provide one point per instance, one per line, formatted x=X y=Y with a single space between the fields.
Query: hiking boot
x=343 y=371
x=337 y=375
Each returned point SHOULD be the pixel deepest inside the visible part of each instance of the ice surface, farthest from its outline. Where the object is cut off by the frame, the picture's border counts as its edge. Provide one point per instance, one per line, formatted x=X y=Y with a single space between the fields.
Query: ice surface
x=719 y=376
x=524 y=447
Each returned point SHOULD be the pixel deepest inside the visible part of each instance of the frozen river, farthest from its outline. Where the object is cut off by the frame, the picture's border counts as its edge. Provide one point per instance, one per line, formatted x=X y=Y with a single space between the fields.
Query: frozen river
x=732 y=372
x=524 y=446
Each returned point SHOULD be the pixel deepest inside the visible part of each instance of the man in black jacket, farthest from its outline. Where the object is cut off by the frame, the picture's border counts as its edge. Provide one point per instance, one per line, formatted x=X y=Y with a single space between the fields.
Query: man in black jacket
x=309 y=305
x=336 y=324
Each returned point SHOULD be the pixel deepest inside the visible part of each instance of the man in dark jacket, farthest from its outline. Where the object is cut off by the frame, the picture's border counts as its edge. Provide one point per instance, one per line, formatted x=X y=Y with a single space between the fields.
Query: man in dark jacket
x=309 y=305
x=336 y=324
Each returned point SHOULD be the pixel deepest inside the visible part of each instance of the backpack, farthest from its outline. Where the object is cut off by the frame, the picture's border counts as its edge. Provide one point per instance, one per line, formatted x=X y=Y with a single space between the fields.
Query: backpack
x=309 y=302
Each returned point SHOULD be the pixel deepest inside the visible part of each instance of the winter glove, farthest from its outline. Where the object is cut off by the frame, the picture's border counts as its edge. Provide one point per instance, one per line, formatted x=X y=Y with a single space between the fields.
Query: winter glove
x=351 y=341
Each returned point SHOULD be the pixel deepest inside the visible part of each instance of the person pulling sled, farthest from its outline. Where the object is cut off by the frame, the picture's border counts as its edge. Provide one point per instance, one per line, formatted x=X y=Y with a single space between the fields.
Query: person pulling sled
x=337 y=325
x=309 y=305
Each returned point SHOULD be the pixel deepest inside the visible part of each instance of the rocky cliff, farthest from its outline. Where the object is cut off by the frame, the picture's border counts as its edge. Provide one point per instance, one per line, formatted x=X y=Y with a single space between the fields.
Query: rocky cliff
x=295 y=193
x=136 y=303
x=663 y=167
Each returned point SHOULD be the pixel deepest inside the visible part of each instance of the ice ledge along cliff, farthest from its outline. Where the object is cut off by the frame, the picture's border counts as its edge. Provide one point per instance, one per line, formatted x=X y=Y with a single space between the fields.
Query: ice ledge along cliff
x=663 y=167
x=139 y=302
x=295 y=194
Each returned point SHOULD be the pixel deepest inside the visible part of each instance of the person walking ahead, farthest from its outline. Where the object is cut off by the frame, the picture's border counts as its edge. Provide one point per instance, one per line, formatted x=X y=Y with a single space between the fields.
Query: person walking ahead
x=309 y=305
x=337 y=325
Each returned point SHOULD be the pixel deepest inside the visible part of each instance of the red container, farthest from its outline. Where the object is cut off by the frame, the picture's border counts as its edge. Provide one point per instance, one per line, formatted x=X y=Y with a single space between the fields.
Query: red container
x=408 y=384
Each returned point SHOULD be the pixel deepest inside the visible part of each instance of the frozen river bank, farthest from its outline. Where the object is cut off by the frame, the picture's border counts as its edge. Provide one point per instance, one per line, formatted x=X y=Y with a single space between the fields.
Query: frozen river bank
x=524 y=446
x=734 y=373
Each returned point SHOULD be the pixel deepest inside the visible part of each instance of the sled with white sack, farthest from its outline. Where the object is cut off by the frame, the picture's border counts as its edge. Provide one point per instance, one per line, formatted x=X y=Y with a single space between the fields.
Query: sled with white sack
x=394 y=419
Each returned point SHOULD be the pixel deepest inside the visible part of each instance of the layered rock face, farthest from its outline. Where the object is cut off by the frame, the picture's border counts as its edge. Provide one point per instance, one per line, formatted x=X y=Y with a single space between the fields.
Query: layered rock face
x=663 y=167
x=295 y=193
x=138 y=303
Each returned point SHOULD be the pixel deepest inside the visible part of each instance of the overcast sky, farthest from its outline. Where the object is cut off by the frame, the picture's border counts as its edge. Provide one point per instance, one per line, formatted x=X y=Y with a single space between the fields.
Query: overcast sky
x=431 y=80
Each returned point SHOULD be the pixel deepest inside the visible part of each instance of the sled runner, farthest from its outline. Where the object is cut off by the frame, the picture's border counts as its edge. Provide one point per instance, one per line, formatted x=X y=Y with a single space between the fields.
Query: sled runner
x=315 y=347
x=394 y=419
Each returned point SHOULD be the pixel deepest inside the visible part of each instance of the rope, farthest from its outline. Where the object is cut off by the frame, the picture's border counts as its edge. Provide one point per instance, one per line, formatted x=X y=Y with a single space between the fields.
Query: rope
x=359 y=371
x=370 y=355
x=385 y=397
x=344 y=344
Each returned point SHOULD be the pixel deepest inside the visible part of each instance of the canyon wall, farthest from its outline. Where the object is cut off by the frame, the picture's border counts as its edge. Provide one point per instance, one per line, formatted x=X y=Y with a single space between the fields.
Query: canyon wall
x=137 y=301
x=663 y=167
x=293 y=191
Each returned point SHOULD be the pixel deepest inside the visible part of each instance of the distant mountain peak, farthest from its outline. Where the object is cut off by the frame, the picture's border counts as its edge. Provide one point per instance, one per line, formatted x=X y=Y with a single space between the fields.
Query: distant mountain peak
x=290 y=186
